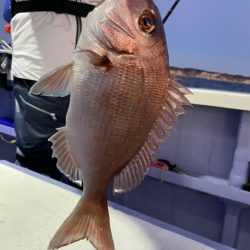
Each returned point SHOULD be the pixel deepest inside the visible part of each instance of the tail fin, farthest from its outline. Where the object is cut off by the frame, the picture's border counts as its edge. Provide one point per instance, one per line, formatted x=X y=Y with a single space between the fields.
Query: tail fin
x=88 y=220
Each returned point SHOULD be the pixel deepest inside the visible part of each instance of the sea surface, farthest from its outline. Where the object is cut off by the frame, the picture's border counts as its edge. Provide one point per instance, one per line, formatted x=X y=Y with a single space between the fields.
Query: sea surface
x=200 y=83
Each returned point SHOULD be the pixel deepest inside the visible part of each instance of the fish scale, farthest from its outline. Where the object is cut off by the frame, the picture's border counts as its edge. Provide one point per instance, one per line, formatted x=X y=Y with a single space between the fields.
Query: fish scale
x=114 y=123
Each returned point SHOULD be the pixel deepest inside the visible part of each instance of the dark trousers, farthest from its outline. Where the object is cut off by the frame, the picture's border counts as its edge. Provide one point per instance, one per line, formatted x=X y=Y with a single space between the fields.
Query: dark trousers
x=36 y=119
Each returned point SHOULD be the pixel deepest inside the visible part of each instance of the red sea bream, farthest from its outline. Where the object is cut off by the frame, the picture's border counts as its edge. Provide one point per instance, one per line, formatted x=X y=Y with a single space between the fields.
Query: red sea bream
x=122 y=104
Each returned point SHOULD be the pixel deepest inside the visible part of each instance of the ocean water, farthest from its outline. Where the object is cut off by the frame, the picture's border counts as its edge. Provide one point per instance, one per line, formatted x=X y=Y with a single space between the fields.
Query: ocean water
x=200 y=83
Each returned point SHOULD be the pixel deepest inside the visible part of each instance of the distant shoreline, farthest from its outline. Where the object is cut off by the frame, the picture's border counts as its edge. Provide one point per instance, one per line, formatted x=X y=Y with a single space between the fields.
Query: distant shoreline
x=208 y=75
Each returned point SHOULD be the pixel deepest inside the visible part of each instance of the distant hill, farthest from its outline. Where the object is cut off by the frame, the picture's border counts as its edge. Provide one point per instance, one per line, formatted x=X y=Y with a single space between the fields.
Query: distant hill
x=187 y=72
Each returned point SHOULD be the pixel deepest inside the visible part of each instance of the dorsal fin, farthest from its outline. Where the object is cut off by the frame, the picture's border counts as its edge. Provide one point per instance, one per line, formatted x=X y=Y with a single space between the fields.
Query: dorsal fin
x=137 y=168
x=65 y=162
x=56 y=83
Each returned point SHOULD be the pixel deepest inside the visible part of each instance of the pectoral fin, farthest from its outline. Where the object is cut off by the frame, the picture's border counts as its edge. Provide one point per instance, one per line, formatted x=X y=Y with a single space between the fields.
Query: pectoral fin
x=98 y=60
x=56 y=83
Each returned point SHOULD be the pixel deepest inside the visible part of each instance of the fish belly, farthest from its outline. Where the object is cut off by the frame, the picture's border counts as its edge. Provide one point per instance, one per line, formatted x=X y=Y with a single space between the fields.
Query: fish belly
x=109 y=118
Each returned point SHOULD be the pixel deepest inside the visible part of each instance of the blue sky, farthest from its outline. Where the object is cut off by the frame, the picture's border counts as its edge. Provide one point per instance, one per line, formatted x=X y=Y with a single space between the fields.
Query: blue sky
x=205 y=34
x=209 y=34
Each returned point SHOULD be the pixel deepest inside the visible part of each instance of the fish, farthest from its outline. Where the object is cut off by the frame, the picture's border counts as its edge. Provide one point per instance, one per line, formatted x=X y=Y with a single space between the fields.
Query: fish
x=123 y=103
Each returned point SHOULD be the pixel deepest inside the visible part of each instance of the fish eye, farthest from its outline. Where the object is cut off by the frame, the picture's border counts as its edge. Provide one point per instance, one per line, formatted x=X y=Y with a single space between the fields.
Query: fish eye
x=147 y=22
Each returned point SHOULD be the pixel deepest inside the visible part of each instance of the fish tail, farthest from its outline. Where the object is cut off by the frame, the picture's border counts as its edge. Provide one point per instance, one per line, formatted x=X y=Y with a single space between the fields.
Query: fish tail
x=89 y=220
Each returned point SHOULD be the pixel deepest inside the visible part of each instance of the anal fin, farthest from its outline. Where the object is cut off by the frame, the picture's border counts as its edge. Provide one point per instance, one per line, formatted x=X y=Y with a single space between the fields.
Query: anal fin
x=65 y=161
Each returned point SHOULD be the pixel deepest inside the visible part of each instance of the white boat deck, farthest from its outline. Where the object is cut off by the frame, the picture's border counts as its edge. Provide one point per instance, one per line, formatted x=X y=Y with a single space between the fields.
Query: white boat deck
x=32 y=207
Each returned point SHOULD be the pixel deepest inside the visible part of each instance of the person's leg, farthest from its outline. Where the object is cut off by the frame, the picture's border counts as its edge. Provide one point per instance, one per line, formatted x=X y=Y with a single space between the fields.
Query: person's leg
x=36 y=119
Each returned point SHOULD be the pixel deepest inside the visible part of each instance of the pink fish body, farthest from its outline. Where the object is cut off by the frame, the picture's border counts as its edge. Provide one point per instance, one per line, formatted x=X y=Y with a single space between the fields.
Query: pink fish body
x=122 y=104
